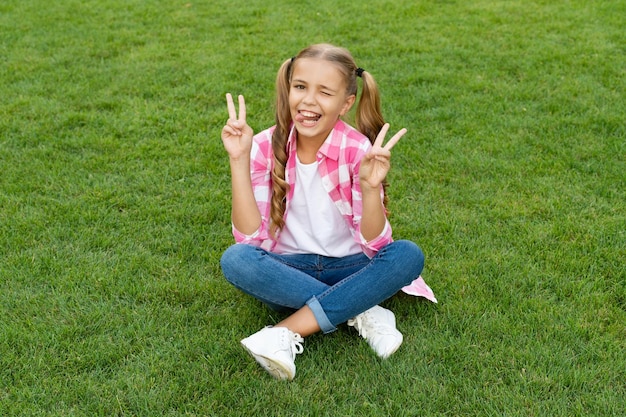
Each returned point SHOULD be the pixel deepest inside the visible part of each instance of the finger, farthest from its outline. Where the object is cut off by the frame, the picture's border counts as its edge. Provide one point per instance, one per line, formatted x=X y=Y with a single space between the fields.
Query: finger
x=234 y=127
x=229 y=131
x=380 y=154
x=242 y=110
x=394 y=139
x=381 y=135
x=232 y=113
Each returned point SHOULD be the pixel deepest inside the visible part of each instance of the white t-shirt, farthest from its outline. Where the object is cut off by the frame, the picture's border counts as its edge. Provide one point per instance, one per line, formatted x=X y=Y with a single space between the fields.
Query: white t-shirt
x=313 y=223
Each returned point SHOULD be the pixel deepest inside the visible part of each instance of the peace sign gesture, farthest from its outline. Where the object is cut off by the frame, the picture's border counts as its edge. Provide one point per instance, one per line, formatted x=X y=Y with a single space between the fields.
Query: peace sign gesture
x=236 y=134
x=375 y=164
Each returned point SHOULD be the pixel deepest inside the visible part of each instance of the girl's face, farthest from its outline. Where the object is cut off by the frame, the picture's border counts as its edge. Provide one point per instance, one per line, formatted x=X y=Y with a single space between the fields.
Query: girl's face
x=317 y=98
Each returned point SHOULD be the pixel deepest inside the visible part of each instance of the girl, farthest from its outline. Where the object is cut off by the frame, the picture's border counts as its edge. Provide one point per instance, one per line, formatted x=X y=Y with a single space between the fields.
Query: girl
x=308 y=211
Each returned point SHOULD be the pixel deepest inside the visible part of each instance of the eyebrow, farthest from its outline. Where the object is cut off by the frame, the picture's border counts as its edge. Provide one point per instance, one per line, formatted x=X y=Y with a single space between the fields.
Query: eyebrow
x=324 y=87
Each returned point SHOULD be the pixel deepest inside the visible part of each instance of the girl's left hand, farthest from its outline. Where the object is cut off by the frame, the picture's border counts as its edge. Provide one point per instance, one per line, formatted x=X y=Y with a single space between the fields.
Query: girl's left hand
x=375 y=164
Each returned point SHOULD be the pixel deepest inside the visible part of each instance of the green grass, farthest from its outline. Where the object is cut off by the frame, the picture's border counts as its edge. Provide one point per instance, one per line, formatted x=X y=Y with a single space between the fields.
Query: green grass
x=114 y=207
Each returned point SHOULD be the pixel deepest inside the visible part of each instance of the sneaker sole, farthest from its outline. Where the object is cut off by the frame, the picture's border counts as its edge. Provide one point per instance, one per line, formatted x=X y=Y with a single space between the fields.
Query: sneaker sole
x=277 y=369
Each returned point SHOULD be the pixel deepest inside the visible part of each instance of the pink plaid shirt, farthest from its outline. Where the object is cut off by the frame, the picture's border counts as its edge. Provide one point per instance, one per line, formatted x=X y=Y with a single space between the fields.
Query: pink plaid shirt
x=339 y=160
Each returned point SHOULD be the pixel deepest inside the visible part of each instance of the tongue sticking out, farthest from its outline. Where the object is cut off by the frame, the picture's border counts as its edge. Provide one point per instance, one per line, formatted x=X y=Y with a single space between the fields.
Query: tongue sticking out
x=307 y=117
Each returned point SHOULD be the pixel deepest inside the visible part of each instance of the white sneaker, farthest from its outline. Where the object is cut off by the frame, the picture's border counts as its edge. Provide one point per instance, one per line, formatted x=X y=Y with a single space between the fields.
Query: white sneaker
x=275 y=349
x=378 y=326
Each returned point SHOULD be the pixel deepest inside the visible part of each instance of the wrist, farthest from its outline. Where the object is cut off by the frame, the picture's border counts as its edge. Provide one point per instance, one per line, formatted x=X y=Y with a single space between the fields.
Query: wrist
x=240 y=160
x=240 y=166
x=366 y=188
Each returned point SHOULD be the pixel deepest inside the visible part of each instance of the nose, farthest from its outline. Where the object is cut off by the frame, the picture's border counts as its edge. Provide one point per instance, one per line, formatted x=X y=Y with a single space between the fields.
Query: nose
x=309 y=97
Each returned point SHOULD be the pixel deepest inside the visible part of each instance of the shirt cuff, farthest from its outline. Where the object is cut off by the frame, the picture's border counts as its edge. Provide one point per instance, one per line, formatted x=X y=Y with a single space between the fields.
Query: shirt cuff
x=242 y=237
x=384 y=238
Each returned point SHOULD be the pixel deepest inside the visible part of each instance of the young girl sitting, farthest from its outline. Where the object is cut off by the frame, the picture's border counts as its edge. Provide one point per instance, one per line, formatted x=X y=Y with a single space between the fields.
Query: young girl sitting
x=308 y=211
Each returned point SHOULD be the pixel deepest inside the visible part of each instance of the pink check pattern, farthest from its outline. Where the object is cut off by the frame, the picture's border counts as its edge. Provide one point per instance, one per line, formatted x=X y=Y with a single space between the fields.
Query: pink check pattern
x=339 y=160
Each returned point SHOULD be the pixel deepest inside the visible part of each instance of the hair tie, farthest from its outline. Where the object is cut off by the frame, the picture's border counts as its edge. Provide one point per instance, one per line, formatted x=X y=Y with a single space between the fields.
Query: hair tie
x=359 y=72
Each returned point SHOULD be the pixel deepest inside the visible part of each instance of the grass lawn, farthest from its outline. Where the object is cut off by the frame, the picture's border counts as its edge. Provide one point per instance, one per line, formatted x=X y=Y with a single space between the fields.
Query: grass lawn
x=114 y=207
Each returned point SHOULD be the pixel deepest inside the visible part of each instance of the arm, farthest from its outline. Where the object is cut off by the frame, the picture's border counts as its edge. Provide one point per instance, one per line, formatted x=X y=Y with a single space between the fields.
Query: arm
x=374 y=168
x=373 y=217
x=237 y=139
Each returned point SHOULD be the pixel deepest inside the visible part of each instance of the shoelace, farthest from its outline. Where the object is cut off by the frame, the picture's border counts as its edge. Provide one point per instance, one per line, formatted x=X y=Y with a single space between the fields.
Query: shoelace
x=296 y=343
x=357 y=322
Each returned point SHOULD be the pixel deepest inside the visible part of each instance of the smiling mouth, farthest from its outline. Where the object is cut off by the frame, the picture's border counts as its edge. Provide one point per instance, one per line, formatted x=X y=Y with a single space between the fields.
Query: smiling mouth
x=307 y=118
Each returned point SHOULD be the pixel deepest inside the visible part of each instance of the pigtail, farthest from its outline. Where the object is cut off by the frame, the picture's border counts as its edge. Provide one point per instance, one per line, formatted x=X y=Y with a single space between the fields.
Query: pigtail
x=280 y=187
x=369 y=118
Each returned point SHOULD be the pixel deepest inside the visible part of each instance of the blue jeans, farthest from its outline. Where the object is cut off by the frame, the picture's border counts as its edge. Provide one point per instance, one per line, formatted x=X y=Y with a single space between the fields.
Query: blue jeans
x=335 y=289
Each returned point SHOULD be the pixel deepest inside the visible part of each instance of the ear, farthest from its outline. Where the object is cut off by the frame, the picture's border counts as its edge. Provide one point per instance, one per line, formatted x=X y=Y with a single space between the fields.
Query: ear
x=348 y=104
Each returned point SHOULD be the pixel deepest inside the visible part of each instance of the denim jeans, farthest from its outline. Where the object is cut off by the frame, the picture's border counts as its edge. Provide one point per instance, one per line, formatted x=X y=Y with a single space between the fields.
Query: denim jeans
x=335 y=289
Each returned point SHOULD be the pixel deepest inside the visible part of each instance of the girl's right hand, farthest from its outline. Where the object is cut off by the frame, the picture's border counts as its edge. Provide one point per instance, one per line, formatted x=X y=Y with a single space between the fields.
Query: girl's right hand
x=236 y=134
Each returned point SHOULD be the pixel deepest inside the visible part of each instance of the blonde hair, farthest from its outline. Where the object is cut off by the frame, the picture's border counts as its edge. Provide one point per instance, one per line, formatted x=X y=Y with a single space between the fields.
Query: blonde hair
x=368 y=118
